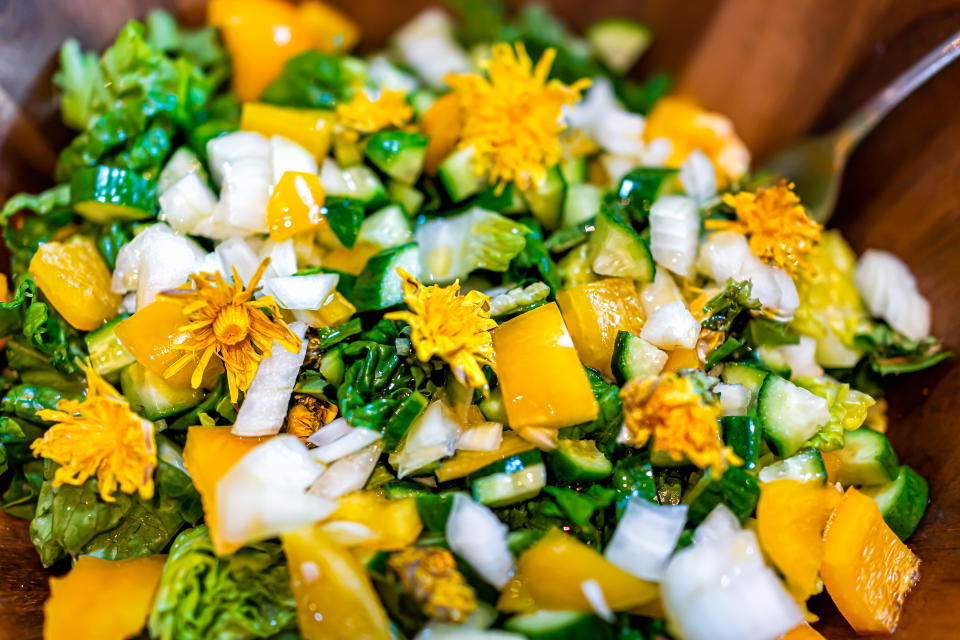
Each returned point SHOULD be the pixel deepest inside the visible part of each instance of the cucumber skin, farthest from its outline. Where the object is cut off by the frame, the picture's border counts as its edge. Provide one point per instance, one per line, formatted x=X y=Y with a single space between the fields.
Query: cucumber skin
x=107 y=354
x=904 y=511
x=510 y=464
x=537 y=473
x=743 y=435
x=399 y=154
x=783 y=444
x=568 y=464
x=609 y=224
x=378 y=286
x=882 y=469
x=620 y=363
x=736 y=488
x=101 y=193
x=813 y=461
x=560 y=625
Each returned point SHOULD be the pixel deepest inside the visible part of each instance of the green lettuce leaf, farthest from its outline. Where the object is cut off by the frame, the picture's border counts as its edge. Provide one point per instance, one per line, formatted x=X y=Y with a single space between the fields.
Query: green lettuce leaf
x=243 y=595
x=311 y=80
x=725 y=308
x=890 y=352
x=581 y=505
x=605 y=427
x=848 y=410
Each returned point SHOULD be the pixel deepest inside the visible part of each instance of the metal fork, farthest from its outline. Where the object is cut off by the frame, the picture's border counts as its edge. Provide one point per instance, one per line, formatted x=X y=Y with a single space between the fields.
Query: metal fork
x=816 y=164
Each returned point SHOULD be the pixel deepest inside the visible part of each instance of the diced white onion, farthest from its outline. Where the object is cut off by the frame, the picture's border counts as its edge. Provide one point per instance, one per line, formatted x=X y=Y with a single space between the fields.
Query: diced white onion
x=698 y=177
x=426 y=45
x=734 y=399
x=645 y=538
x=129 y=303
x=476 y=534
x=672 y=326
x=301 y=292
x=657 y=152
x=620 y=132
x=287 y=155
x=387 y=76
x=802 y=358
x=331 y=177
x=594 y=594
x=265 y=403
x=157 y=259
x=182 y=162
x=347 y=474
x=617 y=166
x=232 y=147
x=355 y=440
x=705 y=585
x=187 y=203
x=674 y=232
x=662 y=290
x=329 y=432
x=238 y=254
x=244 y=194
x=890 y=292
x=482 y=437
x=432 y=436
x=263 y=495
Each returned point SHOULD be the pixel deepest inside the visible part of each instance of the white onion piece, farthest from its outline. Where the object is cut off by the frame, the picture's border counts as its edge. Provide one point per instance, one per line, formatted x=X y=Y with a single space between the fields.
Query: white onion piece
x=187 y=203
x=181 y=162
x=657 y=152
x=236 y=253
x=482 y=437
x=426 y=45
x=129 y=303
x=616 y=166
x=674 y=232
x=890 y=292
x=698 y=177
x=283 y=258
x=301 y=292
x=287 y=155
x=734 y=399
x=163 y=260
x=329 y=432
x=719 y=526
x=263 y=495
x=126 y=272
x=594 y=594
x=802 y=358
x=244 y=194
x=211 y=263
x=357 y=439
x=331 y=177
x=347 y=474
x=672 y=326
x=387 y=76
x=705 y=585
x=620 y=132
x=217 y=229
x=662 y=290
x=476 y=534
x=645 y=538
x=232 y=147
x=432 y=436
x=265 y=402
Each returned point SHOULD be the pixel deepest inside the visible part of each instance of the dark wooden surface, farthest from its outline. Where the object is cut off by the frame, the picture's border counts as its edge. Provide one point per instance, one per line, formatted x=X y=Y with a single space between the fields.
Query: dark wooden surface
x=779 y=68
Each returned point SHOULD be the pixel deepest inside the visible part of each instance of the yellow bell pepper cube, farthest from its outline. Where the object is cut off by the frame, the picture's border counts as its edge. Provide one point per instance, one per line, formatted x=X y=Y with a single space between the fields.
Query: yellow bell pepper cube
x=543 y=382
x=350 y=260
x=463 y=463
x=331 y=30
x=295 y=205
x=310 y=128
x=102 y=599
x=334 y=596
x=595 y=312
x=76 y=281
x=152 y=334
x=210 y=452
x=395 y=523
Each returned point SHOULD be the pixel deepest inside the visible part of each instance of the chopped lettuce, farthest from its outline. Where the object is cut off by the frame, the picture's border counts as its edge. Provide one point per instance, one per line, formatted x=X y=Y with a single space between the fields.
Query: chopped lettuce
x=890 y=352
x=725 y=308
x=518 y=300
x=243 y=595
x=311 y=80
x=848 y=410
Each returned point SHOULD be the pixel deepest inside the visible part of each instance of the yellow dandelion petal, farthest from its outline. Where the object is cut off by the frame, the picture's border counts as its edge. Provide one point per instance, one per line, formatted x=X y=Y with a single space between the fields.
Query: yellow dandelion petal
x=225 y=321
x=365 y=115
x=454 y=327
x=99 y=435
x=513 y=116
x=776 y=225
x=669 y=412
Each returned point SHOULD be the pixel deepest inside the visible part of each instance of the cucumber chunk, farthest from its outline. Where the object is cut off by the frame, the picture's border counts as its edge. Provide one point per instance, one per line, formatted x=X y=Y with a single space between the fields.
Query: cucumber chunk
x=508 y=465
x=459 y=175
x=641 y=187
x=492 y=406
x=903 y=501
x=743 y=435
x=379 y=286
x=386 y=228
x=574 y=170
x=749 y=376
x=107 y=354
x=101 y=194
x=501 y=489
x=151 y=396
x=770 y=358
x=806 y=466
x=790 y=415
x=581 y=204
x=619 y=42
x=615 y=249
x=634 y=357
x=410 y=198
x=399 y=154
x=736 y=488
x=578 y=461
x=866 y=459
x=545 y=200
x=560 y=625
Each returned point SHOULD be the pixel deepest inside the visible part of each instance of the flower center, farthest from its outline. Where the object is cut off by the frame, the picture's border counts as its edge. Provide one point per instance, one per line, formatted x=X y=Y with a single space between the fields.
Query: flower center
x=232 y=324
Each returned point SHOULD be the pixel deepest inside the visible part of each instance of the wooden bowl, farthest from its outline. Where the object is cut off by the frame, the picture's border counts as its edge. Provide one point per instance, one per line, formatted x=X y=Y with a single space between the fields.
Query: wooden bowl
x=779 y=69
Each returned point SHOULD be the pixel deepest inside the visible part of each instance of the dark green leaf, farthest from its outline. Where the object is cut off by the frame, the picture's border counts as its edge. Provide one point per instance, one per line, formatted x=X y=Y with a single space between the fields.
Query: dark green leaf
x=344 y=217
x=605 y=427
x=633 y=476
x=890 y=352
x=764 y=331
x=534 y=262
x=729 y=346
x=726 y=307
x=312 y=80
x=580 y=505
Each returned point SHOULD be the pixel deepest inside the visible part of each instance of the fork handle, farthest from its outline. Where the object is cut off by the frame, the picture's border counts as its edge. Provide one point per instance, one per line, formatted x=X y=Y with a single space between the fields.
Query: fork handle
x=858 y=125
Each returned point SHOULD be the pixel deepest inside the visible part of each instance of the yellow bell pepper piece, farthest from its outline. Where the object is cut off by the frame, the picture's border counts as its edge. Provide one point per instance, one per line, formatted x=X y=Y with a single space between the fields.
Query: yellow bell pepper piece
x=208 y=454
x=555 y=568
x=866 y=569
x=442 y=122
x=260 y=35
x=151 y=336
x=595 y=312
x=331 y=30
x=681 y=359
x=334 y=596
x=350 y=260
x=102 y=599
x=543 y=382
x=310 y=128
x=463 y=463
x=76 y=281
x=395 y=523
x=802 y=632
x=295 y=205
